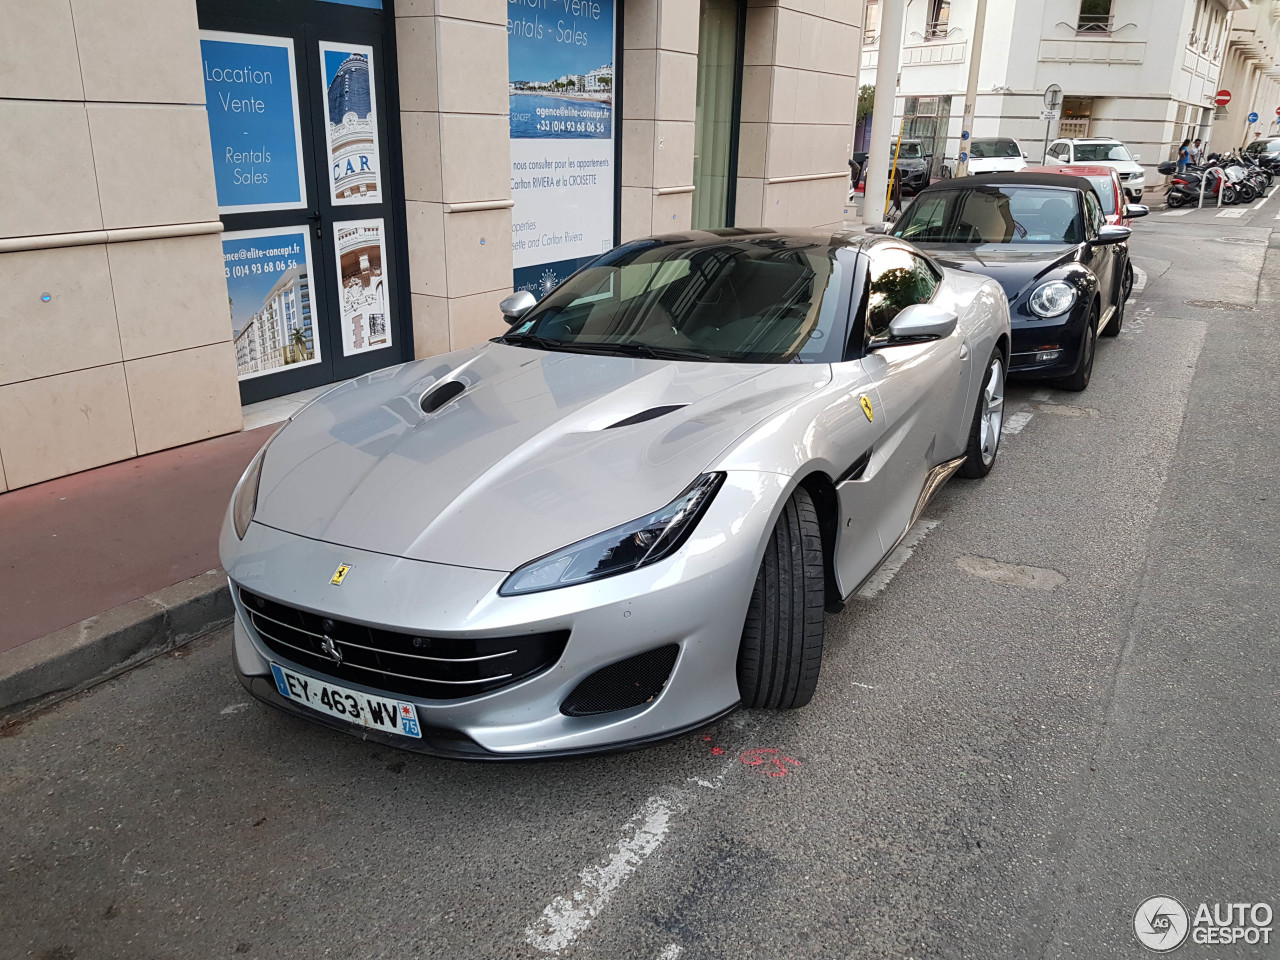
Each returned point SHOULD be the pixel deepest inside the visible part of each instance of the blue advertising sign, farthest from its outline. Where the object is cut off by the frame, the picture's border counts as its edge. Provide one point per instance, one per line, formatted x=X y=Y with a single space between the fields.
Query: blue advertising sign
x=1253 y=118
x=560 y=57
x=252 y=101
x=269 y=292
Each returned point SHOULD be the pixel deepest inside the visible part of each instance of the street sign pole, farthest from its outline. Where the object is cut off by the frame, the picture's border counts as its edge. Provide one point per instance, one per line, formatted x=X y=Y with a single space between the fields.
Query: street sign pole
x=1052 y=102
x=971 y=89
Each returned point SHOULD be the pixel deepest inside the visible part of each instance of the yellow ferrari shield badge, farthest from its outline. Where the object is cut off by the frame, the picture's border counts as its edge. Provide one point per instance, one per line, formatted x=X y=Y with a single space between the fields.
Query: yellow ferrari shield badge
x=866 y=408
x=340 y=574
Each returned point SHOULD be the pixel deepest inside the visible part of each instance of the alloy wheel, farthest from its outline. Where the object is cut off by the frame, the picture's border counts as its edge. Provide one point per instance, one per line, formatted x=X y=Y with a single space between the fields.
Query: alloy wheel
x=992 y=412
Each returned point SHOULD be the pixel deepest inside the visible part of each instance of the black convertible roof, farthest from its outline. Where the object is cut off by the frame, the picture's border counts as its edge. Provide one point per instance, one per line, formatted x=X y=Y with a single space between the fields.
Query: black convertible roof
x=1016 y=179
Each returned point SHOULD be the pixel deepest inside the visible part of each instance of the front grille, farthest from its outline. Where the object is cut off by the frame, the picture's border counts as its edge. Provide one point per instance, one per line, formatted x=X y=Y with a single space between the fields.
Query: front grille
x=427 y=668
x=627 y=683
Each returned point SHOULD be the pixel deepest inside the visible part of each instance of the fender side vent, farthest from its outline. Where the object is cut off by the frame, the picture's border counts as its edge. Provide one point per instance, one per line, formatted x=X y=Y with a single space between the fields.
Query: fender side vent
x=627 y=683
x=856 y=469
x=651 y=414
x=437 y=397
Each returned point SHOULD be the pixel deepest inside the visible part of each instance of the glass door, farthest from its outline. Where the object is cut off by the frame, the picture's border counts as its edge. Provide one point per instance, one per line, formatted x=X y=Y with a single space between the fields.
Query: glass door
x=721 y=36
x=309 y=190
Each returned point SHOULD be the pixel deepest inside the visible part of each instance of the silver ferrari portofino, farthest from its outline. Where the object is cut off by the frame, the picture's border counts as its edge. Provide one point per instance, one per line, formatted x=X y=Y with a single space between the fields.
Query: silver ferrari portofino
x=626 y=516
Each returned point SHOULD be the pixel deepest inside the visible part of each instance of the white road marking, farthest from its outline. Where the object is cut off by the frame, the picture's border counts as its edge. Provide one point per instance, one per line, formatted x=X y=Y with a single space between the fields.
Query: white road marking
x=864 y=686
x=671 y=951
x=901 y=554
x=1175 y=213
x=1258 y=205
x=1139 y=280
x=234 y=708
x=1232 y=213
x=1014 y=423
x=565 y=918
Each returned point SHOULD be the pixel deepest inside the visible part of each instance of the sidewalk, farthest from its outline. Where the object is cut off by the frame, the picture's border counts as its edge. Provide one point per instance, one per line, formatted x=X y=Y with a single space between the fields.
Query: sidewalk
x=81 y=545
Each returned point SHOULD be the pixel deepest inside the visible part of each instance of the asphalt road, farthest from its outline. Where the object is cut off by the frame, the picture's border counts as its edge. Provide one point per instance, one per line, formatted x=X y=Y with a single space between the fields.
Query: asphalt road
x=1062 y=703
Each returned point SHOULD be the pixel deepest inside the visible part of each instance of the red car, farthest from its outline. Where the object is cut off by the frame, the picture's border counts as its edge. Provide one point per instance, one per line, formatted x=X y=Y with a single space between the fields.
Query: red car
x=1106 y=183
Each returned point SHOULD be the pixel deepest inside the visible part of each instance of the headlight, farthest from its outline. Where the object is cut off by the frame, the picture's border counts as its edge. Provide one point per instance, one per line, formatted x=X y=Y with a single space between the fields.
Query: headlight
x=1052 y=298
x=628 y=547
x=245 y=501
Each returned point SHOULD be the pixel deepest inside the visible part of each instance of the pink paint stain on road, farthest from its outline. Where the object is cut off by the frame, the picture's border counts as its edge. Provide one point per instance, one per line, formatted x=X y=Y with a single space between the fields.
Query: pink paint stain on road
x=761 y=755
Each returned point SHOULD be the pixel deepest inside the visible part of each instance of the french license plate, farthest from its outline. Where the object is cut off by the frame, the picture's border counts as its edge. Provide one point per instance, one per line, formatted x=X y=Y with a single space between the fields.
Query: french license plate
x=376 y=713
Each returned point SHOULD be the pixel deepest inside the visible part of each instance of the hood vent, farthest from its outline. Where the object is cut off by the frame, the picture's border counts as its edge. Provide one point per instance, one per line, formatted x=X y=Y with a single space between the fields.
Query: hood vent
x=438 y=396
x=651 y=414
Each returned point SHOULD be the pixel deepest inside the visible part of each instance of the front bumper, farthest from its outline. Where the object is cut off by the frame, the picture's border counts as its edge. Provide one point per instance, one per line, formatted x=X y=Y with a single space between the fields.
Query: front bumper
x=1032 y=338
x=696 y=599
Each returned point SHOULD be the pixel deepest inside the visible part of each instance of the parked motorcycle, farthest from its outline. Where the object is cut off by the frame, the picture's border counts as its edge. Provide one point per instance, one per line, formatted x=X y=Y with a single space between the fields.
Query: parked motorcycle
x=1185 y=187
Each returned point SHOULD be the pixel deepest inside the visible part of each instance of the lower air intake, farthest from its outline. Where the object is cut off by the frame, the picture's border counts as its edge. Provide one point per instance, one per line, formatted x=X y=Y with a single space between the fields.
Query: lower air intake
x=627 y=683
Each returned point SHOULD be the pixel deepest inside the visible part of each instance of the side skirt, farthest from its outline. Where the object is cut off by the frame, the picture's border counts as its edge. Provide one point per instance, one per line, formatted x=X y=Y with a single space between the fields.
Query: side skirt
x=934 y=482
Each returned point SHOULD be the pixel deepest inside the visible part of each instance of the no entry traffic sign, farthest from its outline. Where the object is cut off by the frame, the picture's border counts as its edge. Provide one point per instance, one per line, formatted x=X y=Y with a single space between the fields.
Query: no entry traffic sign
x=1223 y=98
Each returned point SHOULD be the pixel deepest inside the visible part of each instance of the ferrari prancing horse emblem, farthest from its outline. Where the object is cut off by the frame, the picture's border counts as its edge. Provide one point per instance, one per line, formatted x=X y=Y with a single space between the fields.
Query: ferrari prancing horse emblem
x=340 y=574
x=866 y=407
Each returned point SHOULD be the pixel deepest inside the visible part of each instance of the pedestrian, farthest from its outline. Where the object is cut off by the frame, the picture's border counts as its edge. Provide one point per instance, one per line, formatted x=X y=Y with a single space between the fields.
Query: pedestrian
x=1195 y=151
x=1183 y=156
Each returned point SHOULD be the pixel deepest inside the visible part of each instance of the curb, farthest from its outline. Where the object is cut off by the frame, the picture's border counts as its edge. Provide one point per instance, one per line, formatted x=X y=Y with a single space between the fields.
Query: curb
x=92 y=650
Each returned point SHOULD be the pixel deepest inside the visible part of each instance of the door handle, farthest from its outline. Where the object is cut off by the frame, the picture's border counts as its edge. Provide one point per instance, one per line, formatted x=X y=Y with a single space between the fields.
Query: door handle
x=964 y=350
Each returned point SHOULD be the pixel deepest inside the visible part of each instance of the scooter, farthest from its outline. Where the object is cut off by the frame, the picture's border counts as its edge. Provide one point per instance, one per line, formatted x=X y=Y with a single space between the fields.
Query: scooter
x=1185 y=187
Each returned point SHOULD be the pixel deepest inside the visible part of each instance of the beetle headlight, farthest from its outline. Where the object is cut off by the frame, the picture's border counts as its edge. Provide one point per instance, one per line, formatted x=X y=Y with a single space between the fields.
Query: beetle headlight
x=622 y=549
x=1052 y=298
x=245 y=500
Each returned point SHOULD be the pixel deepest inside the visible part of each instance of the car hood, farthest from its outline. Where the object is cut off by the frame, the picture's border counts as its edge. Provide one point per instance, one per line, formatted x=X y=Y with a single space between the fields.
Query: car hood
x=1014 y=266
x=996 y=164
x=528 y=459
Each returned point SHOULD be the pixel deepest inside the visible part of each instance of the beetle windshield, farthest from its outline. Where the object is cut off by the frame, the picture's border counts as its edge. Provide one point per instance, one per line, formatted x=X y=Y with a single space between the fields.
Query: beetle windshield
x=763 y=299
x=1101 y=151
x=993 y=149
x=993 y=214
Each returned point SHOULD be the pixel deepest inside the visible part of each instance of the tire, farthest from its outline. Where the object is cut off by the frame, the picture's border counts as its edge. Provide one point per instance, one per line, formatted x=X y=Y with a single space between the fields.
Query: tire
x=1174 y=200
x=1128 y=279
x=1229 y=195
x=1246 y=191
x=983 y=447
x=1080 y=379
x=781 y=651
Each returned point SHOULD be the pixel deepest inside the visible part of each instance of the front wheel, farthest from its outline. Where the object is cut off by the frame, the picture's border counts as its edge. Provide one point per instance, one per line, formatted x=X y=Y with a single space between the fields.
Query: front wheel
x=1175 y=199
x=988 y=419
x=1117 y=318
x=781 y=651
x=1229 y=196
x=1246 y=192
x=1080 y=379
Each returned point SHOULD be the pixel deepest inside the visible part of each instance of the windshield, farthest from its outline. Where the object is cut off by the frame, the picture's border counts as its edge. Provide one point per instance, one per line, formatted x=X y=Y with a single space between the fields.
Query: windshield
x=992 y=214
x=1264 y=146
x=1106 y=191
x=909 y=151
x=1101 y=151
x=990 y=149
x=759 y=300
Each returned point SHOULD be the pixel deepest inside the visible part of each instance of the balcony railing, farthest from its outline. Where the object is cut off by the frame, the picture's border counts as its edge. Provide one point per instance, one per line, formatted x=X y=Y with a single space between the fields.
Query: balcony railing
x=937 y=30
x=1096 y=24
x=870 y=39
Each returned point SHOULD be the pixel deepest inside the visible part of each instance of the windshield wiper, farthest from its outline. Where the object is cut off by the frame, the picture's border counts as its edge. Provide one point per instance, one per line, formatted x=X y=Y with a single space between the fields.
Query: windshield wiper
x=653 y=353
x=531 y=340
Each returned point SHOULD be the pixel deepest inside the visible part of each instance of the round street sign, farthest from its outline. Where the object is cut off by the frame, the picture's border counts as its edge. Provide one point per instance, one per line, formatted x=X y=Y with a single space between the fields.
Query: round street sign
x=1278 y=111
x=1223 y=98
x=1052 y=97
x=1253 y=118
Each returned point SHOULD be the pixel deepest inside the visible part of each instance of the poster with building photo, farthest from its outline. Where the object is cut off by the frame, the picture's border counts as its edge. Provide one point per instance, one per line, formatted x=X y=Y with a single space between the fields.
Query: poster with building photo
x=269 y=296
x=362 y=285
x=560 y=58
x=351 y=123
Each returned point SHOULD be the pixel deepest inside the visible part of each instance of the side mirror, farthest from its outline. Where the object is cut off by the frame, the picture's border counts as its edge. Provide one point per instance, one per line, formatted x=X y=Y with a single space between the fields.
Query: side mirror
x=877 y=228
x=1137 y=157
x=1134 y=210
x=1025 y=156
x=517 y=305
x=921 y=321
x=1110 y=234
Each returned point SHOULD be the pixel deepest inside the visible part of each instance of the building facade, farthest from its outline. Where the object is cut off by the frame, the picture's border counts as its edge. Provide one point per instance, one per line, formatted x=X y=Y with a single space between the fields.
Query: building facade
x=279 y=196
x=1143 y=71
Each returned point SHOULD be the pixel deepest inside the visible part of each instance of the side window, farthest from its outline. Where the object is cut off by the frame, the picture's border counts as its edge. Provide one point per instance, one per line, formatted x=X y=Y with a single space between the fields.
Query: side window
x=1094 y=218
x=897 y=278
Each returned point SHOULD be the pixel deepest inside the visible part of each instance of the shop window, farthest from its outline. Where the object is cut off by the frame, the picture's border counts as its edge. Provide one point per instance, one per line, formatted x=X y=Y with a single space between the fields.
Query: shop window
x=715 y=132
